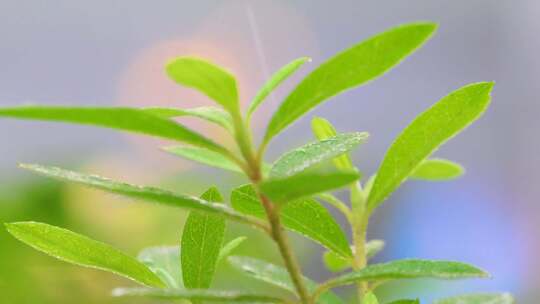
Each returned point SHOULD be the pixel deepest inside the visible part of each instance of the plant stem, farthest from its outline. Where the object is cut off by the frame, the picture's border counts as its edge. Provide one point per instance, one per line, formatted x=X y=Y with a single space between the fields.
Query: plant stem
x=244 y=140
x=280 y=237
x=359 y=230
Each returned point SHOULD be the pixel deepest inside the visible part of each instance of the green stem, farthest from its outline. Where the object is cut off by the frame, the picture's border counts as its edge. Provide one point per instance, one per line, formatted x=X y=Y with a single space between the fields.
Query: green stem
x=280 y=237
x=338 y=204
x=254 y=172
x=243 y=139
x=359 y=231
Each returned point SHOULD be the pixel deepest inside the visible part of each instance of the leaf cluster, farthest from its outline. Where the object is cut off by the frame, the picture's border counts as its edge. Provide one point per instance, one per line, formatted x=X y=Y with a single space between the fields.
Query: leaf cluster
x=289 y=194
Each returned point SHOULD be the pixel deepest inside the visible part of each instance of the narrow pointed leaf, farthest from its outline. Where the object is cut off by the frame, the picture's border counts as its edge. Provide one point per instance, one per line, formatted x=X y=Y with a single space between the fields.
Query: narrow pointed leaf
x=323 y=129
x=304 y=216
x=494 y=298
x=125 y=119
x=370 y=298
x=337 y=263
x=283 y=190
x=207 y=78
x=437 y=169
x=202 y=239
x=164 y=261
x=210 y=114
x=277 y=276
x=150 y=194
x=352 y=67
x=373 y=247
x=230 y=247
x=410 y=269
x=425 y=134
x=312 y=154
x=77 y=249
x=274 y=81
x=204 y=156
x=196 y=295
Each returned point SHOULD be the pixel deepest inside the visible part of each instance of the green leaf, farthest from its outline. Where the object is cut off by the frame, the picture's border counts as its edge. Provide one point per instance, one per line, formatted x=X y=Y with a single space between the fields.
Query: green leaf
x=201 y=243
x=204 y=156
x=494 y=298
x=312 y=154
x=230 y=247
x=370 y=298
x=350 y=68
x=210 y=114
x=277 y=276
x=282 y=190
x=164 y=261
x=275 y=81
x=151 y=194
x=125 y=119
x=207 y=78
x=304 y=216
x=196 y=295
x=409 y=269
x=425 y=134
x=337 y=263
x=373 y=247
x=74 y=248
x=323 y=129
x=436 y=169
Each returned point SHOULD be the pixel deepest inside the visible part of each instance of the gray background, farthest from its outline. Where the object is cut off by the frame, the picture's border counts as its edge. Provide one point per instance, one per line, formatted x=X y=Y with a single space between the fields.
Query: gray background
x=112 y=53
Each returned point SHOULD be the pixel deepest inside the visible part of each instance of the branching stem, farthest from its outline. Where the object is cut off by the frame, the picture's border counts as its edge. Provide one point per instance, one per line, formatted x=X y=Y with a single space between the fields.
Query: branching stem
x=280 y=237
x=254 y=172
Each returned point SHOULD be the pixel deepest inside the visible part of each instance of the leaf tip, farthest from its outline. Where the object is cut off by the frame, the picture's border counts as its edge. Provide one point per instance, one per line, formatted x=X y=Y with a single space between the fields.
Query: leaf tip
x=118 y=292
x=26 y=166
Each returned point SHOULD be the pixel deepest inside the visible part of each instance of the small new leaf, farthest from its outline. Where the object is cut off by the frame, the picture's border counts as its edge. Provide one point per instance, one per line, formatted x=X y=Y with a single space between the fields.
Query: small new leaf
x=201 y=244
x=337 y=263
x=425 y=134
x=277 y=276
x=373 y=247
x=164 y=261
x=334 y=262
x=350 y=68
x=196 y=295
x=150 y=194
x=77 y=249
x=207 y=78
x=437 y=169
x=204 y=156
x=312 y=154
x=211 y=114
x=323 y=129
x=494 y=298
x=304 y=184
x=125 y=119
x=370 y=298
x=274 y=81
x=305 y=216
x=230 y=247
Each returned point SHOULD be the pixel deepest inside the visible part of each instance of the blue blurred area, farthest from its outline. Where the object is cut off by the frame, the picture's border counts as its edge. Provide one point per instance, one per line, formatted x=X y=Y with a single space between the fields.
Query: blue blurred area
x=112 y=53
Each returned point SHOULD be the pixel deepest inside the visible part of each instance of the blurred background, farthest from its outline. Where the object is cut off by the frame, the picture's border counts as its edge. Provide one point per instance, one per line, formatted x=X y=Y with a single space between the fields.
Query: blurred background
x=112 y=53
